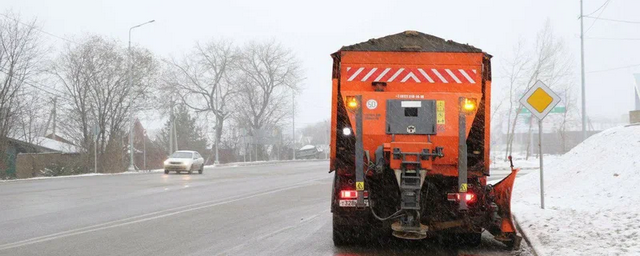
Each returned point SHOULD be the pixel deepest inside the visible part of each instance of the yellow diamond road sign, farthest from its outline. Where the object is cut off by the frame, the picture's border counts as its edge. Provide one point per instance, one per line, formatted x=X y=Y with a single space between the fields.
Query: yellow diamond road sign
x=540 y=100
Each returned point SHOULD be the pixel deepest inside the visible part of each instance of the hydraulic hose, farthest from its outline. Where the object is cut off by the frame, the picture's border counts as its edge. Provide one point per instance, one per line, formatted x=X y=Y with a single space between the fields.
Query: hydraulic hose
x=397 y=214
x=392 y=216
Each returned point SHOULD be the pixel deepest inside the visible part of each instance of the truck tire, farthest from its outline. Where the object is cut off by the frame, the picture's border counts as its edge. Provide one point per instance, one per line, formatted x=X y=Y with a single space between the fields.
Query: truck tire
x=342 y=235
x=469 y=239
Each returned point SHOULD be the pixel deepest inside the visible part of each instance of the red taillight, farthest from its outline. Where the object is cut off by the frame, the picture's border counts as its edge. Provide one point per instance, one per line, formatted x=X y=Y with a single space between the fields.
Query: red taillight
x=470 y=198
x=348 y=194
x=352 y=194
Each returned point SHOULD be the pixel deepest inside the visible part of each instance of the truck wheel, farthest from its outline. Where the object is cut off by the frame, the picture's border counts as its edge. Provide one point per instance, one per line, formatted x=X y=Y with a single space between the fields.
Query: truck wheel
x=344 y=235
x=470 y=239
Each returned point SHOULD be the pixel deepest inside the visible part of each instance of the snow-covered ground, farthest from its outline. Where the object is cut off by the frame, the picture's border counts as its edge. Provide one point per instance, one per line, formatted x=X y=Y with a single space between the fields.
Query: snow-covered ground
x=519 y=161
x=592 y=202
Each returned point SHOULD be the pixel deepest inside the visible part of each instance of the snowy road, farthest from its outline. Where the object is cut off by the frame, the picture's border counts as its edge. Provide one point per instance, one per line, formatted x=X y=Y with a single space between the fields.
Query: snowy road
x=262 y=210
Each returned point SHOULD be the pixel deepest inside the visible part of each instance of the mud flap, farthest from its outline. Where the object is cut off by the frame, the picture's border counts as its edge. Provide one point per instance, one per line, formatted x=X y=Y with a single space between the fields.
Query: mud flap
x=501 y=193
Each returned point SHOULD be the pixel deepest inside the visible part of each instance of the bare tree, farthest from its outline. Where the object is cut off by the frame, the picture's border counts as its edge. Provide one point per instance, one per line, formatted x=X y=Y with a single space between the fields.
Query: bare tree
x=568 y=116
x=31 y=115
x=548 y=62
x=93 y=75
x=203 y=80
x=516 y=66
x=20 y=55
x=269 y=75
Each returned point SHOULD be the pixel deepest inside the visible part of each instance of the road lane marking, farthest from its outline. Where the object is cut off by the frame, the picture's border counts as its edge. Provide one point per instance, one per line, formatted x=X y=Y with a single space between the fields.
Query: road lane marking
x=260 y=238
x=270 y=234
x=151 y=216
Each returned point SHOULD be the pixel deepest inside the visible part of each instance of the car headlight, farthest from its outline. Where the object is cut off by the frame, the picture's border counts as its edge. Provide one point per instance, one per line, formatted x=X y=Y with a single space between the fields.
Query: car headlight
x=166 y=162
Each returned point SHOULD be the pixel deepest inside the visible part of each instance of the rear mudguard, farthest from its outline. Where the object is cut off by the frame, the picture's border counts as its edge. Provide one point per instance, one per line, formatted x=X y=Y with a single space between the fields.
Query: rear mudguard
x=501 y=193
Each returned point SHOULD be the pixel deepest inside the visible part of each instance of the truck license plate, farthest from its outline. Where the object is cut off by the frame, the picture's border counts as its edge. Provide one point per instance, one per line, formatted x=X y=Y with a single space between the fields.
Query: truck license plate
x=352 y=203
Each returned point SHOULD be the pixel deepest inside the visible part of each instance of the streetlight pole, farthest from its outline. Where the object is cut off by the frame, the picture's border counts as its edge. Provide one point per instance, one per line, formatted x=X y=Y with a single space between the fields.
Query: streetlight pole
x=131 y=165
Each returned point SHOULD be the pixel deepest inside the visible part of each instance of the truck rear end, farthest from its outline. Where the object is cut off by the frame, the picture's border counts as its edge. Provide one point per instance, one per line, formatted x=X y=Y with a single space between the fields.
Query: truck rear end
x=410 y=142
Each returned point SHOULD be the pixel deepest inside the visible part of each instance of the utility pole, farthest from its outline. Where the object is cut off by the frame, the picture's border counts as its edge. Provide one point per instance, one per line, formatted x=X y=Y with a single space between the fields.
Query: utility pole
x=637 y=78
x=584 y=104
x=175 y=135
x=144 y=150
x=171 y=129
x=95 y=155
x=55 y=100
x=216 y=132
x=51 y=114
x=96 y=131
x=293 y=127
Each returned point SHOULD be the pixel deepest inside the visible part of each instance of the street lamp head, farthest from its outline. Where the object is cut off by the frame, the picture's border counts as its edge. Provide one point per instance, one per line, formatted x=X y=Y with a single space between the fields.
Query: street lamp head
x=142 y=24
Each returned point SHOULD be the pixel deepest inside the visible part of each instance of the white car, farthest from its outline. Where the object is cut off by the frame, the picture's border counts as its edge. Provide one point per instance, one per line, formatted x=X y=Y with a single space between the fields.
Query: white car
x=189 y=161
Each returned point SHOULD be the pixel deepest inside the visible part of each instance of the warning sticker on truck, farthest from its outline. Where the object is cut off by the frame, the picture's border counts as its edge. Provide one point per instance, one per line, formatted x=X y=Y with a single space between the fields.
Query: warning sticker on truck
x=440 y=111
x=359 y=185
x=463 y=188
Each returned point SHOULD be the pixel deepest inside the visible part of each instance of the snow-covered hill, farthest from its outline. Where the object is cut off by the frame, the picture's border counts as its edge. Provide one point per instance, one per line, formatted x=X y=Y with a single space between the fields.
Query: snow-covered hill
x=592 y=198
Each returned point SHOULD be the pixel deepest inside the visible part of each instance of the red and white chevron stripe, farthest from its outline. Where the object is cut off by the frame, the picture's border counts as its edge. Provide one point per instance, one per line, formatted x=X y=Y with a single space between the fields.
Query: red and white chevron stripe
x=416 y=75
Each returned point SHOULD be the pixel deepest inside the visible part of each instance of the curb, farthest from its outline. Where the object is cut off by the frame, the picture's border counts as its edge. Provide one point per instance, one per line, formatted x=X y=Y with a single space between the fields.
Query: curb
x=524 y=235
x=240 y=164
x=237 y=164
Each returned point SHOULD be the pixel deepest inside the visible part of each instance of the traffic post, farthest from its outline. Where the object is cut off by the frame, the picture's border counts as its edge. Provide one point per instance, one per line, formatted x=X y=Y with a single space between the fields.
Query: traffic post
x=96 y=132
x=540 y=100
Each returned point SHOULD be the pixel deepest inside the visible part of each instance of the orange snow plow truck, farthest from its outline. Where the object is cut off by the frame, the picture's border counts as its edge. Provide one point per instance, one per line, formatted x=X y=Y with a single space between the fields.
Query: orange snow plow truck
x=410 y=143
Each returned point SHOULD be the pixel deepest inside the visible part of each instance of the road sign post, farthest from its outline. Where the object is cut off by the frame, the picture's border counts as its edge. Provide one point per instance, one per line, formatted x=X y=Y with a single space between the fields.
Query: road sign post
x=96 y=132
x=540 y=100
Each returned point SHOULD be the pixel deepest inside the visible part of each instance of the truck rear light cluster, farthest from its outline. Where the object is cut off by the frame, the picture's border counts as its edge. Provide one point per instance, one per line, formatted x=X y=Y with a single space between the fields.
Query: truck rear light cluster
x=352 y=194
x=455 y=197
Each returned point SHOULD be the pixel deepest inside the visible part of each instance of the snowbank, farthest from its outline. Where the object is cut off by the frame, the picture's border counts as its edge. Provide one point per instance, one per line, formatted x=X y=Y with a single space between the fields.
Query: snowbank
x=592 y=204
x=86 y=175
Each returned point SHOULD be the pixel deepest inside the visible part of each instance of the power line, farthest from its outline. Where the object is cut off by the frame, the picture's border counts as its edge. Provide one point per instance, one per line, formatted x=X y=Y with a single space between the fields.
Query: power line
x=605 y=3
x=613 y=20
x=38 y=29
x=604 y=7
x=612 y=69
x=614 y=38
x=39 y=87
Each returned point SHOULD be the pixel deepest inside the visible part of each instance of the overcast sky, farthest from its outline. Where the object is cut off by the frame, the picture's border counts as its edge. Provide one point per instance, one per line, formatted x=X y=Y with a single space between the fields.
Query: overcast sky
x=315 y=29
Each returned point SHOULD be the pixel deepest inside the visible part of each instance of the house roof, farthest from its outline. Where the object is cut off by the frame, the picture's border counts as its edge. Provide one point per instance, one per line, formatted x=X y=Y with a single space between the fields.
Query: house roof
x=58 y=138
x=27 y=147
x=411 y=41
x=56 y=145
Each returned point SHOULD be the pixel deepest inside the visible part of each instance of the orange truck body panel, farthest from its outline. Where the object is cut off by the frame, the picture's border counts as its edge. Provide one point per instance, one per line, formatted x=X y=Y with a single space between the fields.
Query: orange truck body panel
x=444 y=77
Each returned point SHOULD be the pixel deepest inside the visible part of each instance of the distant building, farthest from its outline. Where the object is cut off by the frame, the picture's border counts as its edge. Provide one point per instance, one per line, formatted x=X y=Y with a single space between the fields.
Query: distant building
x=43 y=144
